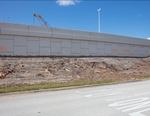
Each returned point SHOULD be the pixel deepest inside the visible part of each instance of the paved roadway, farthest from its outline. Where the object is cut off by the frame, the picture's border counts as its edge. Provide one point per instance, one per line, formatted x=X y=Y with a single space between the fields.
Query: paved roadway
x=128 y=99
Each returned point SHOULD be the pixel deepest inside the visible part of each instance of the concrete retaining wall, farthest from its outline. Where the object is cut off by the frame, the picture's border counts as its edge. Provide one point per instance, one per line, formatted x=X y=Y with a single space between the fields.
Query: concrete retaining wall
x=29 y=40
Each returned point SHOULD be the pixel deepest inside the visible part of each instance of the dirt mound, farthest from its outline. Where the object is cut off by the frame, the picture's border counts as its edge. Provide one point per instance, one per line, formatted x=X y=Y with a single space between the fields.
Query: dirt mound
x=36 y=70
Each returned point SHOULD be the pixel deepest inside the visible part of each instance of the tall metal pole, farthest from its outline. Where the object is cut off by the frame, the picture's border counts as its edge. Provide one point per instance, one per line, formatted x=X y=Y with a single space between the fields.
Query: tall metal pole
x=99 y=18
x=4 y=18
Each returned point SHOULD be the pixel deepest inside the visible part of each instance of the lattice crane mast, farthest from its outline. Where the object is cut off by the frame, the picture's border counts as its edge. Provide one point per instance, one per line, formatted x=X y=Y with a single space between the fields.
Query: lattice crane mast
x=43 y=23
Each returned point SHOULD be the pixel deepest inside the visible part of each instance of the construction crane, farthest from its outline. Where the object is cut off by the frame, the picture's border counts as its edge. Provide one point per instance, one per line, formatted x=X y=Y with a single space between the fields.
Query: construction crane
x=43 y=23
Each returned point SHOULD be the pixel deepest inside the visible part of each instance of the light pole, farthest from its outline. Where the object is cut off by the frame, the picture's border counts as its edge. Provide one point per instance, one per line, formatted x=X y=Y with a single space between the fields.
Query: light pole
x=4 y=19
x=99 y=18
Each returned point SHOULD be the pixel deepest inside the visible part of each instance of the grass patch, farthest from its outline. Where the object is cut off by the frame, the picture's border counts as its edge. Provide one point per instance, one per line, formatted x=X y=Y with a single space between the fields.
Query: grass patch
x=144 y=77
x=28 y=87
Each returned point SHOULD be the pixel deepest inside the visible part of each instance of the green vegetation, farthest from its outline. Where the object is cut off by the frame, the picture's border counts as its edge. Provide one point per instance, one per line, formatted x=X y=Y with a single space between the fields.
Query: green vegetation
x=27 y=87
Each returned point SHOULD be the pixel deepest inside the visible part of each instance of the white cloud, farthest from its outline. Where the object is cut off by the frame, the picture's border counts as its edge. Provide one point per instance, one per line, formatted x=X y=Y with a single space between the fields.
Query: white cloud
x=148 y=38
x=67 y=2
x=139 y=15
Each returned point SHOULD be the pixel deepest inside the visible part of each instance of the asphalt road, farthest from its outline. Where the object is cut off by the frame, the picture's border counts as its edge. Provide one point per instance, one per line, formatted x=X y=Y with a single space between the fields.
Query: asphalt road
x=128 y=99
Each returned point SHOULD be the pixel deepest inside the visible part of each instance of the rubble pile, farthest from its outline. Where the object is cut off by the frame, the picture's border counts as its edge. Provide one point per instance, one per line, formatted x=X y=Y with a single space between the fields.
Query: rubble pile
x=37 y=70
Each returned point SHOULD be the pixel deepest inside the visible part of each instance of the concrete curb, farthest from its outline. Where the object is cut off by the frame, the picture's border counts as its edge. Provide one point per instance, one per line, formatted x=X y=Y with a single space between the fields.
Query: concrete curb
x=68 y=88
x=84 y=86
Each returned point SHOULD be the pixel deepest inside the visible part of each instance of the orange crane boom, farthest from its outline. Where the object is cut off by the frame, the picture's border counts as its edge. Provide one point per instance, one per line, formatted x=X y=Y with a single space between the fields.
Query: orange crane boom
x=43 y=23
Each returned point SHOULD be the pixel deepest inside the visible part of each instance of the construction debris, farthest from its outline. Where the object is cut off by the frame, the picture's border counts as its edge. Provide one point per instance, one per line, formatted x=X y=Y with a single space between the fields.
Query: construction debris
x=19 y=65
x=2 y=75
x=66 y=69
x=37 y=70
x=46 y=70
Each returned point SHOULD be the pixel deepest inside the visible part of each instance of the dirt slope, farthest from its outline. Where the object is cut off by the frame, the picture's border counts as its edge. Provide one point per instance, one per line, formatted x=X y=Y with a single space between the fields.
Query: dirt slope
x=36 y=70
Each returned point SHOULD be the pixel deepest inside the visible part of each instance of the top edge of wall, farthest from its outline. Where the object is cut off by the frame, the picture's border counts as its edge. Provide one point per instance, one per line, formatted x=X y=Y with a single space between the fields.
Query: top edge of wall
x=70 y=29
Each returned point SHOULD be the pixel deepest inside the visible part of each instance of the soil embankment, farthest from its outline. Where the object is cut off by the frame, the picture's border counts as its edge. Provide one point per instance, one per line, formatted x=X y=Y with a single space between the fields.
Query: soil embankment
x=14 y=71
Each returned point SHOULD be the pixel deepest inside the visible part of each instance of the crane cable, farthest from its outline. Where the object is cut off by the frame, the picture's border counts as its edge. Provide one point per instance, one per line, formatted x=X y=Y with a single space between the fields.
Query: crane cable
x=45 y=22
x=33 y=20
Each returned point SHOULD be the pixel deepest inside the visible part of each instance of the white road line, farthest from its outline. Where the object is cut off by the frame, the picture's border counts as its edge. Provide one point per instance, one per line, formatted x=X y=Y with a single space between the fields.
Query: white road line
x=105 y=94
x=139 y=113
x=127 y=102
x=129 y=96
x=92 y=92
x=132 y=105
x=138 y=104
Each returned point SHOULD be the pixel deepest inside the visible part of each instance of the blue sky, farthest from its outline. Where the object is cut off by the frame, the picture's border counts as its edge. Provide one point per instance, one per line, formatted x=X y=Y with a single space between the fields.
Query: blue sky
x=128 y=18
